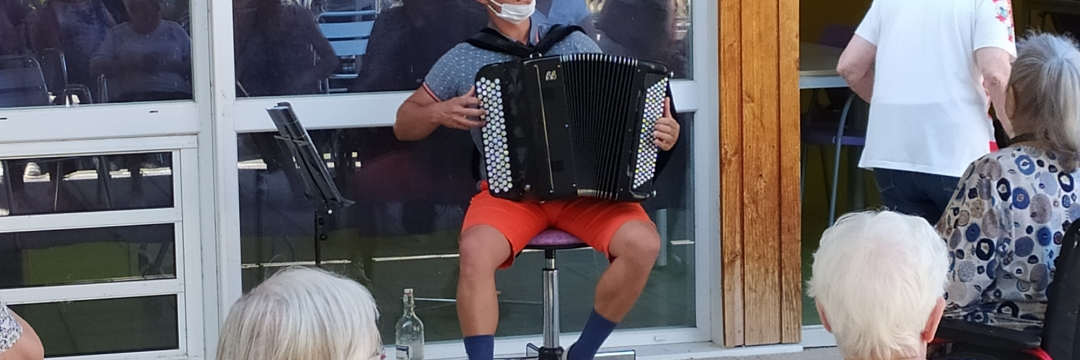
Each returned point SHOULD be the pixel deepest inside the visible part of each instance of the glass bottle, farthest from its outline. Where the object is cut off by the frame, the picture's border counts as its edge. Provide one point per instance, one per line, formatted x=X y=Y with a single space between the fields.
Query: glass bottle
x=409 y=337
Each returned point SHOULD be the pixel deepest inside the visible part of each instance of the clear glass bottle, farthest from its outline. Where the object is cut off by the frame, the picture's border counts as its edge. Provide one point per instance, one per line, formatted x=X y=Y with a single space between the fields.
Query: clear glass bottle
x=409 y=337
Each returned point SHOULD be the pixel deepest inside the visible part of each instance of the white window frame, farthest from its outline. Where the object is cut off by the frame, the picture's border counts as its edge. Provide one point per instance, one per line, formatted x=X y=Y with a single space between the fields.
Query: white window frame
x=184 y=214
x=699 y=95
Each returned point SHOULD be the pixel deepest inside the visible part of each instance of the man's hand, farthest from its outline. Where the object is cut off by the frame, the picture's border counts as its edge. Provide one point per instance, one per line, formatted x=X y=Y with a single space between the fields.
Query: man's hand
x=667 y=129
x=455 y=113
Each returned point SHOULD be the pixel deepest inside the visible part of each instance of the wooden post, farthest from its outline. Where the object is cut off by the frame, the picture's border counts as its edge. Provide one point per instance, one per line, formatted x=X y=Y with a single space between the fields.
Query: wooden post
x=759 y=162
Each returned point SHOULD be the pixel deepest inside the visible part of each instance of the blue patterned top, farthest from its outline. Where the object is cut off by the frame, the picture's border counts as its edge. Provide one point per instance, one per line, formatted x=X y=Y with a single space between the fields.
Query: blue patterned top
x=10 y=330
x=1004 y=227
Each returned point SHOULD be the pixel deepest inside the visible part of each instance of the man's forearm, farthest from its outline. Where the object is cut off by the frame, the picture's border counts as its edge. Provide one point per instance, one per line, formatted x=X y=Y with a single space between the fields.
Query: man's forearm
x=863 y=86
x=413 y=122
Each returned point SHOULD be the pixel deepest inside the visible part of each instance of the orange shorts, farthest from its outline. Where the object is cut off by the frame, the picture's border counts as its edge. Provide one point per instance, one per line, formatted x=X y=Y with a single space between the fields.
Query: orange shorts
x=592 y=220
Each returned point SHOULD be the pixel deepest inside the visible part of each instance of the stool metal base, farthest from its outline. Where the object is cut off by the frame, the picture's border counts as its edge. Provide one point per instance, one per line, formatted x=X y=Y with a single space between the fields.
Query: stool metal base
x=533 y=352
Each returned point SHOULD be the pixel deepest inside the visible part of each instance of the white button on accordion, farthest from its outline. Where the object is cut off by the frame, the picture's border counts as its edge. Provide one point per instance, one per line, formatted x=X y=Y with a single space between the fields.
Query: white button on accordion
x=569 y=126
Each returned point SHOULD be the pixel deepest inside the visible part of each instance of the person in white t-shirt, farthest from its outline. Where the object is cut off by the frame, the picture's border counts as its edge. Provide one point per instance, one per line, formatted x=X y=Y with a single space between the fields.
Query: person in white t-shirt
x=929 y=70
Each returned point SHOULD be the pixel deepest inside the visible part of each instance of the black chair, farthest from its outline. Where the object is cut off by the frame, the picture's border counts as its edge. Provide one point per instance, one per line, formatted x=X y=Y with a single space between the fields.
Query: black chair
x=1058 y=340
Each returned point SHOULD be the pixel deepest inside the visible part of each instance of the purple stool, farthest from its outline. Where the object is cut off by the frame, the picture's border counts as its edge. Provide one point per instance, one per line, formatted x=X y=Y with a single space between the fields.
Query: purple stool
x=551 y=240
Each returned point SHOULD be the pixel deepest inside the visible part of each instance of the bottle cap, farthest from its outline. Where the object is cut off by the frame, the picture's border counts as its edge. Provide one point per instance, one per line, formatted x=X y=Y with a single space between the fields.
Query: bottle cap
x=408 y=291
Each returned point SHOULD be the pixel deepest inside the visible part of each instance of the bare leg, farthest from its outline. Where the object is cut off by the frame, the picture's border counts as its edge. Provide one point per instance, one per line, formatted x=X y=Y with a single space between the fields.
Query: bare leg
x=483 y=249
x=634 y=247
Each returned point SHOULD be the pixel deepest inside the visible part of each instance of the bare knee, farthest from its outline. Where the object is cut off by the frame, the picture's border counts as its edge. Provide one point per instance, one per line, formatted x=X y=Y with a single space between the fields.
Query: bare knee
x=482 y=249
x=637 y=241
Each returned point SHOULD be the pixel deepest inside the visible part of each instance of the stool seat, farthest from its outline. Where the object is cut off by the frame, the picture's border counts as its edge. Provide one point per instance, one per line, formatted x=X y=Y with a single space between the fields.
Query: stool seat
x=552 y=239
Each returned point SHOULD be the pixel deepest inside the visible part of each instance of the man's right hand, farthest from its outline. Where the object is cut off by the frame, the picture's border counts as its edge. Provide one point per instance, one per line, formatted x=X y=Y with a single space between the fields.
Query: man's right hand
x=457 y=113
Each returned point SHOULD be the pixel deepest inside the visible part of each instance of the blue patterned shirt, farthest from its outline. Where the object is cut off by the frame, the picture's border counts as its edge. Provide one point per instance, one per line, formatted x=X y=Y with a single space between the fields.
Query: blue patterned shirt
x=10 y=330
x=1004 y=227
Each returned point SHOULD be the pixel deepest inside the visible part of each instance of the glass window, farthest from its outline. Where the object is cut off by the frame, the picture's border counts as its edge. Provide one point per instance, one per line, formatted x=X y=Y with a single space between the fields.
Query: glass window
x=336 y=46
x=104 y=326
x=411 y=199
x=67 y=257
x=86 y=183
x=94 y=51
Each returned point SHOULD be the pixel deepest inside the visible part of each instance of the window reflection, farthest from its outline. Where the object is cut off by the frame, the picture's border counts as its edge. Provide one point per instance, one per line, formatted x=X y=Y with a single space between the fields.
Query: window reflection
x=279 y=49
x=411 y=199
x=338 y=46
x=73 y=184
x=93 y=51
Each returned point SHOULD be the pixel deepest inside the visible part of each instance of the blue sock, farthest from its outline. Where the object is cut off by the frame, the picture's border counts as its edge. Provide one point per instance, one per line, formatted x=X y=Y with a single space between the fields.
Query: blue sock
x=596 y=331
x=480 y=347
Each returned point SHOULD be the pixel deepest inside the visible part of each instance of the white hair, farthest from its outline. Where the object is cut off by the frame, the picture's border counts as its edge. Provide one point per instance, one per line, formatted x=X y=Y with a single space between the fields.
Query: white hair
x=877 y=276
x=1045 y=81
x=302 y=314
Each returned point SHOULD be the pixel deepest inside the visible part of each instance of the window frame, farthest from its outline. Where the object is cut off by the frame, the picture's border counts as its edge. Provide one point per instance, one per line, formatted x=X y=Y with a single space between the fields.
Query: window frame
x=699 y=95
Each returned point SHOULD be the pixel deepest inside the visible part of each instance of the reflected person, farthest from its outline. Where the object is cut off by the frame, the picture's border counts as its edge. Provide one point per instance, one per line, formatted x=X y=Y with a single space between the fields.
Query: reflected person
x=279 y=50
x=145 y=58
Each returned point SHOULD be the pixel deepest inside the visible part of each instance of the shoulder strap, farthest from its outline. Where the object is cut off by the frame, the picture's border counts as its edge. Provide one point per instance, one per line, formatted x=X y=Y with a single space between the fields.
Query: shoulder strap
x=556 y=34
x=491 y=40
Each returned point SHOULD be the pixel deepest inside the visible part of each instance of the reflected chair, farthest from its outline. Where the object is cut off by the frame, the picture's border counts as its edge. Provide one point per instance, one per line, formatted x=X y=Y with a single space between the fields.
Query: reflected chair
x=1058 y=340
x=348 y=33
x=830 y=125
x=22 y=82
x=54 y=69
x=550 y=241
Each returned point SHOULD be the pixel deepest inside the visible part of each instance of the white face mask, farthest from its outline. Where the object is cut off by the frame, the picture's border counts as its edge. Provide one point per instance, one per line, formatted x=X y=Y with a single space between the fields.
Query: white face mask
x=515 y=14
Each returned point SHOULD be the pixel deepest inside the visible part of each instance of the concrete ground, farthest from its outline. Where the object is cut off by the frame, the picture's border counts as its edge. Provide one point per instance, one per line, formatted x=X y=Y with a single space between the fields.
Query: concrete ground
x=809 y=354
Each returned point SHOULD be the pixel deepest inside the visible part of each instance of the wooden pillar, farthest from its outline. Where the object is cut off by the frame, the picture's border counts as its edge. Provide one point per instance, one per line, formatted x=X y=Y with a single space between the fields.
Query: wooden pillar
x=759 y=170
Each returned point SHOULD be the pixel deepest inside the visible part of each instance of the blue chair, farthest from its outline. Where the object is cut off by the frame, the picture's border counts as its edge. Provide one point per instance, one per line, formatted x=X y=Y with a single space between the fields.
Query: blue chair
x=831 y=125
x=348 y=33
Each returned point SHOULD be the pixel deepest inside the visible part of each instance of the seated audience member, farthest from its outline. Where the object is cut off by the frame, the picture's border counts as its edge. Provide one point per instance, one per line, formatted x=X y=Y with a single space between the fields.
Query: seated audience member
x=878 y=280
x=1005 y=222
x=279 y=49
x=407 y=40
x=302 y=313
x=145 y=58
x=17 y=339
x=10 y=43
x=643 y=29
x=75 y=27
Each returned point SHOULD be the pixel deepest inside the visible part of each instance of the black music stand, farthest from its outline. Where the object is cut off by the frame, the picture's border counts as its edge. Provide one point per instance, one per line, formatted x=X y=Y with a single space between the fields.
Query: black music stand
x=318 y=185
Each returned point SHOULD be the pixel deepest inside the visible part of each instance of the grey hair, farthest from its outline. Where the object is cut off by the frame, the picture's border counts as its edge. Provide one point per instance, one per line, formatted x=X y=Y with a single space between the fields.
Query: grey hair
x=877 y=277
x=302 y=314
x=1045 y=83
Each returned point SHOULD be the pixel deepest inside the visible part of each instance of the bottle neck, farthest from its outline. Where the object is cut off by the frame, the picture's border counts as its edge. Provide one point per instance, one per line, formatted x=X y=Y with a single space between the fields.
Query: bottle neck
x=410 y=308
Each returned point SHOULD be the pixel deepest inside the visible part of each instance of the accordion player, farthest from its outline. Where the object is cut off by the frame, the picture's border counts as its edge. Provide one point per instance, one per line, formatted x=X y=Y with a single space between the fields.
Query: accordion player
x=569 y=126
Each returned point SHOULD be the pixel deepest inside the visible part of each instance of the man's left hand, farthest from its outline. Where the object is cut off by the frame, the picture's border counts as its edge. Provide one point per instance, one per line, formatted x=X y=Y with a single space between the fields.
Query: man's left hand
x=667 y=129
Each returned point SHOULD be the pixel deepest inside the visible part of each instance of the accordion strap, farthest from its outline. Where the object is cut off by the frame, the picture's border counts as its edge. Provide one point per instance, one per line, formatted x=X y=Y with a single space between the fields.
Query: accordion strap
x=491 y=40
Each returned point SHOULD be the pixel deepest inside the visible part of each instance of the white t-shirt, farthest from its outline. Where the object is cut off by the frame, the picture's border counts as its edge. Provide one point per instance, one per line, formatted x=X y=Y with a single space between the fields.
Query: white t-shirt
x=929 y=113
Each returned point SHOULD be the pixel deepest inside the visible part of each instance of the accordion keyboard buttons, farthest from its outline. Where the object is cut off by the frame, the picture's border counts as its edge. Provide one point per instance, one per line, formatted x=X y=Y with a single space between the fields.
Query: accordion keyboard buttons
x=496 y=147
x=647 y=151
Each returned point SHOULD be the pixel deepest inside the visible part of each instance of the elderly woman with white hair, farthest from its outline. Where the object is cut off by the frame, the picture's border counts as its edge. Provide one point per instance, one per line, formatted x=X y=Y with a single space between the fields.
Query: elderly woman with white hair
x=1005 y=222
x=878 y=280
x=302 y=314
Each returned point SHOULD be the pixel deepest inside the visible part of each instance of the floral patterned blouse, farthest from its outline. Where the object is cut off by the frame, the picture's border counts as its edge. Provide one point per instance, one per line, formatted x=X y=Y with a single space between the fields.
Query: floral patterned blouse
x=10 y=330
x=1004 y=227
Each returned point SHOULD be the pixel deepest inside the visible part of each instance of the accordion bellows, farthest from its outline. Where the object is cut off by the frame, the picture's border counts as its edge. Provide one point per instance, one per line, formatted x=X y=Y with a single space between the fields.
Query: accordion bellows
x=568 y=126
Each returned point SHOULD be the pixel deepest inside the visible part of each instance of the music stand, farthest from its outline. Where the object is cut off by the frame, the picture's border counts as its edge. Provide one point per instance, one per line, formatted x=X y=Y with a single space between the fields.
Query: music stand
x=318 y=185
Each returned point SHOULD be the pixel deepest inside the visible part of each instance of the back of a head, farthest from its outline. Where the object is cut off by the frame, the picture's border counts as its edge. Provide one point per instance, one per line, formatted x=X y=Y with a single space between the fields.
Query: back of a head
x=1045 y=83
x=302 y=314
x=877 y=276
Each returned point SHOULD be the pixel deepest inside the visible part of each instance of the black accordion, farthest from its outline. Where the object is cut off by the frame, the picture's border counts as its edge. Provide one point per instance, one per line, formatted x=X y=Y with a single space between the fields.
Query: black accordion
x=570 y=126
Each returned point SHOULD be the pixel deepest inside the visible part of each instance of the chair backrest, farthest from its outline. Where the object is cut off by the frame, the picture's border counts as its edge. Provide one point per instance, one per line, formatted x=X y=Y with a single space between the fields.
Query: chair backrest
x=54 y=68
x=21 y=82
x=1062 y=325
x=347 y=31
